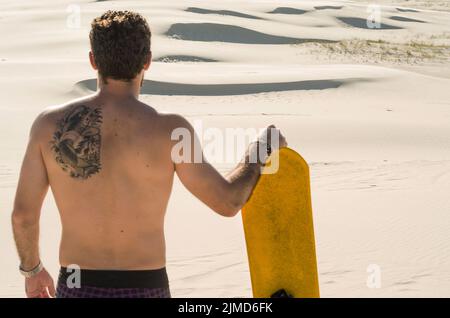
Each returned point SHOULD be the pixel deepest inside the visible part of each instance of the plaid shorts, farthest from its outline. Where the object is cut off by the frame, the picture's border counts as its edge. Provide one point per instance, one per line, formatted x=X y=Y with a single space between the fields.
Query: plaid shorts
x=102 y=292
x=112 y=284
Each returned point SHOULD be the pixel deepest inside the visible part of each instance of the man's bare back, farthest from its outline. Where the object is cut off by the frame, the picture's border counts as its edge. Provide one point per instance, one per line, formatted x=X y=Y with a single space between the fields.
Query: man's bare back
x=111 y=218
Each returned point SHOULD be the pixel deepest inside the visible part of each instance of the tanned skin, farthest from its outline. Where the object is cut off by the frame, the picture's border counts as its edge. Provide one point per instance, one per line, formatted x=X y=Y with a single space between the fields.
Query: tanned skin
x=107 y=159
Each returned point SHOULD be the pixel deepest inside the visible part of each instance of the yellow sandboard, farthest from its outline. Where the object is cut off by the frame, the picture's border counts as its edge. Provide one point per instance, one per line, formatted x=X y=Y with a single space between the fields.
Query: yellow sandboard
x=279 y=230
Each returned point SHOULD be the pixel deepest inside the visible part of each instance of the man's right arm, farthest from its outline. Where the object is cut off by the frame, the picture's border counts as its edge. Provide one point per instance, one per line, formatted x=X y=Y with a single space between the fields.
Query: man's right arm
x=226 y=195
x=31 y=190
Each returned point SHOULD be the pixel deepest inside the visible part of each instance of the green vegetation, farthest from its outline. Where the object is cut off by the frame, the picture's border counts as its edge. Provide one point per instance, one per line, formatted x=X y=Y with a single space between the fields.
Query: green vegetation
x=381 y=51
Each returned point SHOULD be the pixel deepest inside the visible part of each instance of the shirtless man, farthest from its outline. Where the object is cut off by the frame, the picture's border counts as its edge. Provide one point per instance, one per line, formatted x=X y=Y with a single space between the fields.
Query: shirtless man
x=108 y=160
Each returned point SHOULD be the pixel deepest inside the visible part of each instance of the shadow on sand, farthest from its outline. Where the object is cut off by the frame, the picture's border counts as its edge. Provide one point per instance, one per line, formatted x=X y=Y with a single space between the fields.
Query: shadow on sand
x=210 y=32
x=222 y=12
x=362 y=24
x=404 y=19
x=168 y=88
x=182 y=58
x=328 y=7
x=286 y=10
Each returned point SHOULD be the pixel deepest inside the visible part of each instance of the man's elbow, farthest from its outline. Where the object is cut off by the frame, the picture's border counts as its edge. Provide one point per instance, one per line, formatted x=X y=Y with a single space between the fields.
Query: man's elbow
x=20 y=218
x=230 y=209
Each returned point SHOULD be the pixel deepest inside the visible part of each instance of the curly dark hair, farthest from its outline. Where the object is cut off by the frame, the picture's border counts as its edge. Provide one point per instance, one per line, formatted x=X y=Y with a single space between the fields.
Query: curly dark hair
x=120 y=43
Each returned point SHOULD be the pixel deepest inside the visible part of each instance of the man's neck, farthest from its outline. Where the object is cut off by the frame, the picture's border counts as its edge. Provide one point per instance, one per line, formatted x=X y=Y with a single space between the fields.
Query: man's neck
x=120 y=89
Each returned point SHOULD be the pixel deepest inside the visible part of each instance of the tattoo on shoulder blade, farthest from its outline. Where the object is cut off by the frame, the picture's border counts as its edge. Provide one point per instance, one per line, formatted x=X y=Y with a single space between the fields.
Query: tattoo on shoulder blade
x=77 y=140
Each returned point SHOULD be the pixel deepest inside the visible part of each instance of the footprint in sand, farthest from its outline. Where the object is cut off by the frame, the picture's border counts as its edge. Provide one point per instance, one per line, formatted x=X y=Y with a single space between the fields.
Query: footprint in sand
x=403 y=283
x=406 y=10
x=329 y=282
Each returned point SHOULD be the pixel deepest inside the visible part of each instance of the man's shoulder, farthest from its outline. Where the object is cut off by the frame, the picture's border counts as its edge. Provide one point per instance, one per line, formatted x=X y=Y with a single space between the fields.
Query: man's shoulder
x=173 y=121
x=163 y=120
x=45 y=122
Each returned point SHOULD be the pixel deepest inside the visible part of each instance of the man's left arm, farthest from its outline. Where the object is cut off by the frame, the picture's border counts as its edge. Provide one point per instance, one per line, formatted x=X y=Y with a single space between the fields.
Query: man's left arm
x=31 y=190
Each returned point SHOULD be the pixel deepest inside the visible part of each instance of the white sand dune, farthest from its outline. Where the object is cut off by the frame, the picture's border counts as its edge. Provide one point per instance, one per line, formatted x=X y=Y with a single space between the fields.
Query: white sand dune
x=369 y=109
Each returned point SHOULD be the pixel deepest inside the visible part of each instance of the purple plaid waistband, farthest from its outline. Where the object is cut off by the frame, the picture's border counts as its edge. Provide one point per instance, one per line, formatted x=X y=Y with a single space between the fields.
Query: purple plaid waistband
x=102 y=292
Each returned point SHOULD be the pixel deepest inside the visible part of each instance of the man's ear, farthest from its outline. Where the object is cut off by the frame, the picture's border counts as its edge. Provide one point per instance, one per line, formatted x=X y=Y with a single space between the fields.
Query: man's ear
x=92 y=60
x=148 y=62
